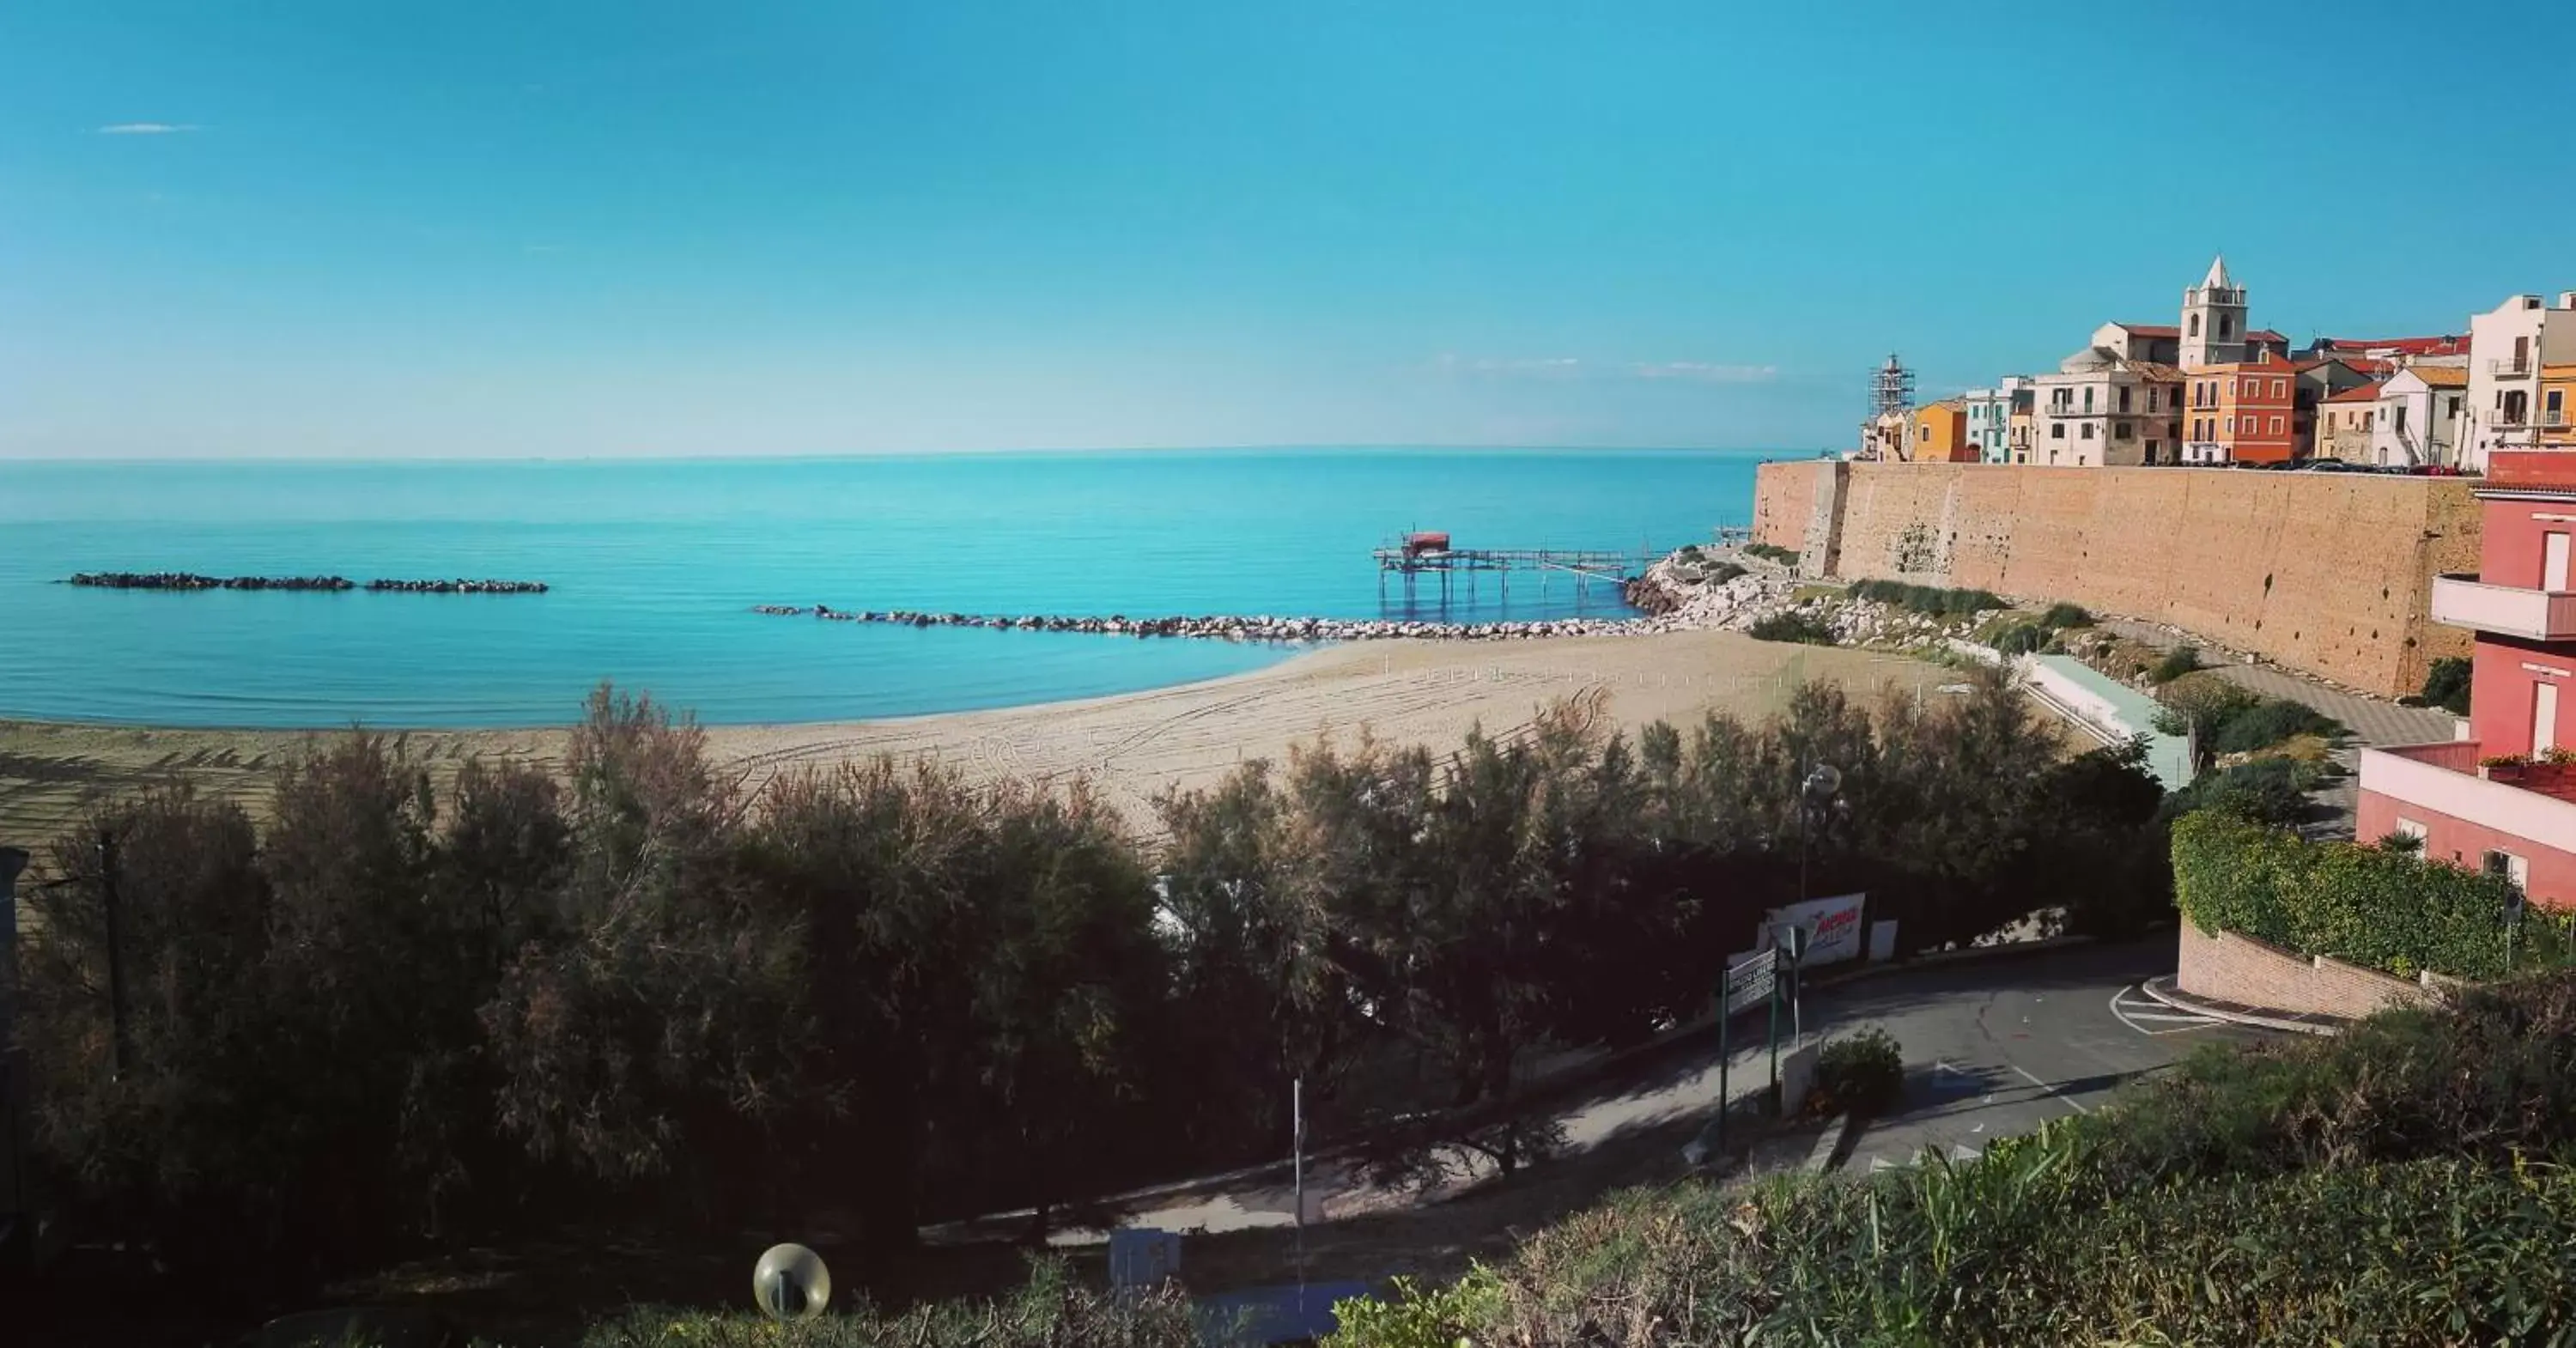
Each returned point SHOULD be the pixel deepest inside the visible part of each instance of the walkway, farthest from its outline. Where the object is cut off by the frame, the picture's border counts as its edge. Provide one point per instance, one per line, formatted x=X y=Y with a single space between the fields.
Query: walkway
x=2376 y=723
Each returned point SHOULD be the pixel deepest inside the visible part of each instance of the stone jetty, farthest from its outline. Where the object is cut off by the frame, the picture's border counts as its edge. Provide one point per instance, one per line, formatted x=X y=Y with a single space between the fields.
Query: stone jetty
x=190 y=580
x=1231 y=628
x=460 y=586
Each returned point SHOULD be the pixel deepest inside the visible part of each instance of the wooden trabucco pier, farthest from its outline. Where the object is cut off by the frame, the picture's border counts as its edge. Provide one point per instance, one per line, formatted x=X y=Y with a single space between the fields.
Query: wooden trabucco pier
x=1416 y=555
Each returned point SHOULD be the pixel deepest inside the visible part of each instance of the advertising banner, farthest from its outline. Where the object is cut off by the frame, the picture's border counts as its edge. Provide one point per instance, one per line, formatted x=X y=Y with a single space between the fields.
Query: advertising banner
x=1833 y=928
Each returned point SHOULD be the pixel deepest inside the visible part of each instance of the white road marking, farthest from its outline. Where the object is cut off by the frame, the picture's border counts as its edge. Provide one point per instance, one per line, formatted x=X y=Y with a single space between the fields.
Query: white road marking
x=2162 y=1014
x=2079 y=1106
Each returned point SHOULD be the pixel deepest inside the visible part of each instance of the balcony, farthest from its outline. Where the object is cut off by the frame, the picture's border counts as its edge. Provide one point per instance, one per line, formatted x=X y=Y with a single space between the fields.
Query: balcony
x=2445 y=779
x=2511 y=367
x=2537 y=615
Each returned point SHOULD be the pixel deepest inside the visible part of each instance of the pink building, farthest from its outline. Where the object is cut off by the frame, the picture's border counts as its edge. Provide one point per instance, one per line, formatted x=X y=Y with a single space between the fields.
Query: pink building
x=2517 y=814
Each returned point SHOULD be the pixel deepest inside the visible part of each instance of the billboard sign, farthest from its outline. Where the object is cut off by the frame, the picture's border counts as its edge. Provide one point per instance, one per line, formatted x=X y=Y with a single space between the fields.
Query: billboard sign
x=1832 y=925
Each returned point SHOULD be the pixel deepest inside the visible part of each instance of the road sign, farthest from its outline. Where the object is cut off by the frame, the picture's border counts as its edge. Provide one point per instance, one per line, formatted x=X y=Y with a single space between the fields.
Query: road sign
x=1751 y=981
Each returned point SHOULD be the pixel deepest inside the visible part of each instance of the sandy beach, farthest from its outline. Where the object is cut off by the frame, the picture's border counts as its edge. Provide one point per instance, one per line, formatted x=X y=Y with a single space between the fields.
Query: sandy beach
x=1132 y=745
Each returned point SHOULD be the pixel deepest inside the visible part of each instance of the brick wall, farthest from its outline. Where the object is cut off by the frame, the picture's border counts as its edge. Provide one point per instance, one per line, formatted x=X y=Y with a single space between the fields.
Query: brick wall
x=2232 y=968
x=2327 y=573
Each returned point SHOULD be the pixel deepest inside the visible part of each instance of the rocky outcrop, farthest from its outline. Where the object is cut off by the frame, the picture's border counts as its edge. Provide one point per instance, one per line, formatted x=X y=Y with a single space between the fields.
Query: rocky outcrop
x=190 y=580
x=459 y=586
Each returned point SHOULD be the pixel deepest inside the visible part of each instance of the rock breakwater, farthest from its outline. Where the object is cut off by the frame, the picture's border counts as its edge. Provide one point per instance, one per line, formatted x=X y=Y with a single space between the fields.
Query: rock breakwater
x=1263 y=627
x=190 y=580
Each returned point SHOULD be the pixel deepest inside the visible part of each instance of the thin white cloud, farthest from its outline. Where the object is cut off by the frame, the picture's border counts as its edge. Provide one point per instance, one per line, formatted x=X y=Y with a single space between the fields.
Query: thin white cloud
x=1703 y=372
x=145 y=128
x=1575 y=367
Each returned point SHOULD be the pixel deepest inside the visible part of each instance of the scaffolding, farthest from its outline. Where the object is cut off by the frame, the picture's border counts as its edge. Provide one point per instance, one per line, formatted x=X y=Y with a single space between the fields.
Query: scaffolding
x=1891 y=388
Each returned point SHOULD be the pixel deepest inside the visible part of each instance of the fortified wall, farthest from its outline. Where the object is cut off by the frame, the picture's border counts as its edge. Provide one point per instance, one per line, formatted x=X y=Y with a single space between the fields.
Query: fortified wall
x=2328 y=573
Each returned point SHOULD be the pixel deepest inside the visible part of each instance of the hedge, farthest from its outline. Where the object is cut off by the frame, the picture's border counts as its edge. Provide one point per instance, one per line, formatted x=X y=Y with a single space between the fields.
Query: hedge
x=2375 y=907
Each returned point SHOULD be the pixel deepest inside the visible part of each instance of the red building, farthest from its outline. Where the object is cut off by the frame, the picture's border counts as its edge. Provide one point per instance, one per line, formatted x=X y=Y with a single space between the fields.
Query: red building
x=2504 y=798
x=2241 y=412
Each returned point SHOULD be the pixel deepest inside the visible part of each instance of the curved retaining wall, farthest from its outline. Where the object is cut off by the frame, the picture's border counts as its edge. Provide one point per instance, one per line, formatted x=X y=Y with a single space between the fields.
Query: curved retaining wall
x=2227 y=967
x=2328 y=573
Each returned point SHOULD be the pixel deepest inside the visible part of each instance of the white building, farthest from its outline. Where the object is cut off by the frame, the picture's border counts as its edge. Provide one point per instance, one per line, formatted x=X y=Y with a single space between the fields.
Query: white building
x=2417 y=419
x=2507 y=347
x=2102 y=410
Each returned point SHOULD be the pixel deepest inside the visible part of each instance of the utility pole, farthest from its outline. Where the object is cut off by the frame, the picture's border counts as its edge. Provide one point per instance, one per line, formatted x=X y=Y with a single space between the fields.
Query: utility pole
x=122 y=1051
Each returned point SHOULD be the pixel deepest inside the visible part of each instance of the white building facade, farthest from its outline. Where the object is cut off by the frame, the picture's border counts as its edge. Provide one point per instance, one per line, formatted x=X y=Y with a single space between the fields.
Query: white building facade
x=2417 y=420
x=2101 y=410
x=2507 y=347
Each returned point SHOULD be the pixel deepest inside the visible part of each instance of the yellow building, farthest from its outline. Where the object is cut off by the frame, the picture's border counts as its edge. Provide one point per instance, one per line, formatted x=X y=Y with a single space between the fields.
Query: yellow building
x=1940 y=434
x=2557 y=420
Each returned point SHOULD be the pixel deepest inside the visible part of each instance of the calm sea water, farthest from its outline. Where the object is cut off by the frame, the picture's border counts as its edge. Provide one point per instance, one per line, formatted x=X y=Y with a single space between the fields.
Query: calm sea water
x=655 y=564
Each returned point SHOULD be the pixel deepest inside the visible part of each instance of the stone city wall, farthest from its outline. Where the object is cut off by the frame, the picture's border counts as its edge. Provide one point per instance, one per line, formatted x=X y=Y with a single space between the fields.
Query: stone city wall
x=2327 y=573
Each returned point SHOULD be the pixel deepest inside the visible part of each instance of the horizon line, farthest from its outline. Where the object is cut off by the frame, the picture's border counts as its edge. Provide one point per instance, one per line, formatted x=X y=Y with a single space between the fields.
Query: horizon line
x=826 y=455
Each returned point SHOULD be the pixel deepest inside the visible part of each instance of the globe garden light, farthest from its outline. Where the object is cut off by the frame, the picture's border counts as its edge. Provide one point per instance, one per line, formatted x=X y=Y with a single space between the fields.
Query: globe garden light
x=791 y=1284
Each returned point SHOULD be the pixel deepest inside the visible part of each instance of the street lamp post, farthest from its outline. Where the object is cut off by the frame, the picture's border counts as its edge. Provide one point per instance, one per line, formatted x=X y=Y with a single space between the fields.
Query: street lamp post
x=1815 y=795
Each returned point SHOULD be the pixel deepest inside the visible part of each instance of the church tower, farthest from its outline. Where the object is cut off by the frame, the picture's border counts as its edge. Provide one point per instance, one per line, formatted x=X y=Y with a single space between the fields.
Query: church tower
x=2213 y=320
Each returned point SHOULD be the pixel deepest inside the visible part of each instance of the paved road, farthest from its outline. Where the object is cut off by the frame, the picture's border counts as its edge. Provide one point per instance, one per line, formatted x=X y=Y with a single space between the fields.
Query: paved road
x=1998 y=1048
x=1992 y=1047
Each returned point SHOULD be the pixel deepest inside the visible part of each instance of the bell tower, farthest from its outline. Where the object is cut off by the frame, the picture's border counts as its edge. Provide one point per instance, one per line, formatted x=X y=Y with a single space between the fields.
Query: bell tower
x=2213 y=319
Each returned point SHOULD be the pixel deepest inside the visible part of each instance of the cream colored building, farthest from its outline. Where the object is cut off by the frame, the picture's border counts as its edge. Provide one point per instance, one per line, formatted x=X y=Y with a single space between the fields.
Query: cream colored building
x=2104 y=410
x=2344 y=422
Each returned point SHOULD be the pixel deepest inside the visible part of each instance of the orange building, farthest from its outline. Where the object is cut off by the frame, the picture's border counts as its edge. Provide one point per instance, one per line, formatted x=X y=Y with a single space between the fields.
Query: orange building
x=2557 y=426
x=2244 y=412
x=1940 y=434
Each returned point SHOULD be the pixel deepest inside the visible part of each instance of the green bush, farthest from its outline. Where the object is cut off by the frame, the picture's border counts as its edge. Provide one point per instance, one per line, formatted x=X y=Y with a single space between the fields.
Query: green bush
x=2177 y=662
x=1051 y=1310
x=2267 y=790
x=2370 y=906
x=1773 y=552
x=1861 y=1073
x=2446 y=684
x=2063 y=615
x=1799 y=627
x=2024 y=639
x=2270 y=722
x=1929 y=600
x=1722 y=573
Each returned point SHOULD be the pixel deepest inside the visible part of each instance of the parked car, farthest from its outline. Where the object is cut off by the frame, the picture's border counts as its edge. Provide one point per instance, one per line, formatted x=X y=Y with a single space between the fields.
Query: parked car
x=2330 y=466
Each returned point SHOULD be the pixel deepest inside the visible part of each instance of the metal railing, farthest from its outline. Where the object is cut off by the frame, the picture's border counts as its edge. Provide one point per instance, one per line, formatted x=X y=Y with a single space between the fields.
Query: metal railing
x=2510 y=367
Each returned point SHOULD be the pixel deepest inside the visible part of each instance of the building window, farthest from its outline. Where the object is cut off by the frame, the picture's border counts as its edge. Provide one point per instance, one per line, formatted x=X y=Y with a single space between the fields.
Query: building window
x=2276 y=425
x=2401 y=421
x=2553 y=406
x=2231 y=425
x=2088 y=430
x=2124 y=399
x=2124 y=432
x=2279 y=388
x=2226 y=327
x=2195 y=325
x=2056 y=431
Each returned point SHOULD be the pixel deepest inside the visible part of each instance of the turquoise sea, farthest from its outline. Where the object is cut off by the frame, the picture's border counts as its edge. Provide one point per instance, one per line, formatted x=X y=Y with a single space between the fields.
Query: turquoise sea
x=655 y=564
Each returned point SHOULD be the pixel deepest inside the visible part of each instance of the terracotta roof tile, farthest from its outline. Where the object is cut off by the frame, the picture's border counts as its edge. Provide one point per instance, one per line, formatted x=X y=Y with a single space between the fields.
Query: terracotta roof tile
x=2150 y=329
x=2441 y=376
x=2367 y=393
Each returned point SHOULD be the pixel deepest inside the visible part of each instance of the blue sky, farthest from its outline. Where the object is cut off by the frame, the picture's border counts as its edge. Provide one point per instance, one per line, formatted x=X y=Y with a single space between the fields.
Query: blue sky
x=576 y=228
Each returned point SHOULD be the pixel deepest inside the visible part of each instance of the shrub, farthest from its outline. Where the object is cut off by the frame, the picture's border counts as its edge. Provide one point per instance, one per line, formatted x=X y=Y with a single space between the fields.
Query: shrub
x=1928 y=600
x=2267 y=790
x=2446 y=684
x=2024 y=639
x=2062 y=614
x=1791 y=626
x=1772 y=552
x=2177 y=662
x=1722 y=573
x=2271 y=721
x=1860 y=1073
x=2370 y=906
x=1051 y=1310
